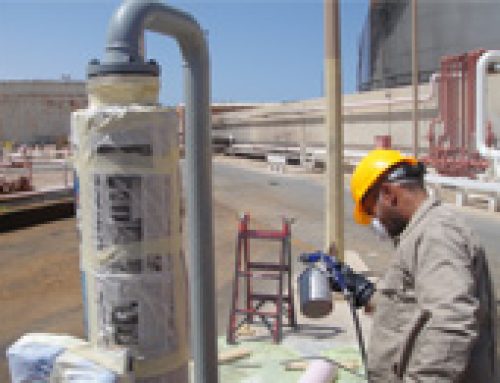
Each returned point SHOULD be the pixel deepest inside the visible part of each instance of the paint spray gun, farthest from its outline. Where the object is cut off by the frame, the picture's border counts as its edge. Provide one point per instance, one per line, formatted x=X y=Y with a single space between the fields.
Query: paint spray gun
x=316 y=284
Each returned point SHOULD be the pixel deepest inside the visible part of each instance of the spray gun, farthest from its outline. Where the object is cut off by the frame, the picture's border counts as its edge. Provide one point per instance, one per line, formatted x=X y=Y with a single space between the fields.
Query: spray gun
x=316 y=285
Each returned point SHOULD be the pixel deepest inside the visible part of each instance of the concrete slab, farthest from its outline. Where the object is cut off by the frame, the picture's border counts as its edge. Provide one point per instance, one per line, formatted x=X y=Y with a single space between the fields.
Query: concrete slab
x=269 y=362
x=332 y=336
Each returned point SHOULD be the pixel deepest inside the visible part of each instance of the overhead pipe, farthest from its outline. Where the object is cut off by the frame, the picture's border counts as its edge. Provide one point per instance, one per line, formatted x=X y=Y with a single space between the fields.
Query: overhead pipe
x=125 y=55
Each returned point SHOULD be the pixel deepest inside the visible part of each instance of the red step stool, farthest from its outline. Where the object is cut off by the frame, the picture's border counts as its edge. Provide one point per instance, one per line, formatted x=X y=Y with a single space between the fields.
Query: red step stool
x=280 y=271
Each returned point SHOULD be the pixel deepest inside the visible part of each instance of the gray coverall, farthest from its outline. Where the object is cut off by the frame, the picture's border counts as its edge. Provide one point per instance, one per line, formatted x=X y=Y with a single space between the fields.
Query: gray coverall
x=435 y=307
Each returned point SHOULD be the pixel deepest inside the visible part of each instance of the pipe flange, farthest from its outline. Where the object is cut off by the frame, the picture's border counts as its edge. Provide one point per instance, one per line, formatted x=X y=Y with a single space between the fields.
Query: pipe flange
x=150 y=68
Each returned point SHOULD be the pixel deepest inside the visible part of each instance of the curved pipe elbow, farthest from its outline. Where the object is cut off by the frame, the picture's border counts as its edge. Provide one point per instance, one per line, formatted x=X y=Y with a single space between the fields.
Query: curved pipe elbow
x=129 y=23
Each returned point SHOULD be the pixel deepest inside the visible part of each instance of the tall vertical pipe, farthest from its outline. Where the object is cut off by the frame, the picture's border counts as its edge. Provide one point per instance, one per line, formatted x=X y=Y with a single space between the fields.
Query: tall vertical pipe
x=453 y=106
x=414 y=56
x=482 y=108
x=335 y=176
x=124 y=54
x=472 y=59
x=444 y=87
x=463 y=128
x=453 y=132
x=443 y=99
x=471 y=100
x=199 y=216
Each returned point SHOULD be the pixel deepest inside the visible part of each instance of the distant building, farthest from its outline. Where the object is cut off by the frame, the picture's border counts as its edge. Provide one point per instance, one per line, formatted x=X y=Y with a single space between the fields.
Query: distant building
x=38 y=111
x=445 y=27
x=216 y=109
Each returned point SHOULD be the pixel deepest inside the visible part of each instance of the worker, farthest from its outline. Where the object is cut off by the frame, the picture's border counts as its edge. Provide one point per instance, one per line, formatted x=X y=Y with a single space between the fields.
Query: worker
x=435 y=312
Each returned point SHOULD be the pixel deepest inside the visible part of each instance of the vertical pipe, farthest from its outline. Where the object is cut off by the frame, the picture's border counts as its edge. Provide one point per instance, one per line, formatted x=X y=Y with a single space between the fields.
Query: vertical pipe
x=246 y=261
x=456 y=104
x=453 y=104
x=482 y=110
x=29 y=163
x=287 y=231
x=123 y=50
x=471 y=100
x=335 y=177
x=444 y=99
x=199 y=213
x=472 y=65
x=414 y=56
x=303 y=143
x=448 y=97
x=463 y=71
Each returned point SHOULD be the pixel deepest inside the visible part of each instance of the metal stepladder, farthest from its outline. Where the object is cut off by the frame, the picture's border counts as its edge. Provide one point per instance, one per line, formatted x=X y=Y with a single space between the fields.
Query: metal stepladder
x=247 y=271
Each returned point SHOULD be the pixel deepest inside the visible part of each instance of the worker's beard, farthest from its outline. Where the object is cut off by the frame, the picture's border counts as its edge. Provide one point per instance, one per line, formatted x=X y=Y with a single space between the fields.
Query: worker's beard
x=394 y=223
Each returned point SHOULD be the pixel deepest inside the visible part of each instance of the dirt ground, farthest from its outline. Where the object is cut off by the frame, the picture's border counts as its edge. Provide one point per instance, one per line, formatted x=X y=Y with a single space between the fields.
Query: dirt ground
x=40 y=279
x=39 y=284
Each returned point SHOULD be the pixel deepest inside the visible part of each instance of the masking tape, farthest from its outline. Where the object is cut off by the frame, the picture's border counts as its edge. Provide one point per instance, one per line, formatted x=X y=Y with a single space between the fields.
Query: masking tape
x=86 y=138
x=174 y=359
x=179 y=358
x=112 y=118
x=161 y=165
x=85 y=123
x=85 y=165
x=98 y=261
x=114 y=360
x=90 y=256
x=123 y=89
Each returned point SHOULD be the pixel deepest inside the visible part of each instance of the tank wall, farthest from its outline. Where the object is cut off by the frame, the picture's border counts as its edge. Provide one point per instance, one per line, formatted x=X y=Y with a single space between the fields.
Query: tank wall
x=274 y=127
x=445 y=27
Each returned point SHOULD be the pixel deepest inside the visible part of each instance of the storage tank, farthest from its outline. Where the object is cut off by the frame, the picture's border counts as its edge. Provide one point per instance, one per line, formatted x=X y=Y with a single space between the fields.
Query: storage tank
x=134 y=276
x=445 y=27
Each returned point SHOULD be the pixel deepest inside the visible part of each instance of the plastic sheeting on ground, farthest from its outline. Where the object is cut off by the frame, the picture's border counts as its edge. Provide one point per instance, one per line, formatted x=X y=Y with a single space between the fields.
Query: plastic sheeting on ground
x=47 y=358
x=267 y=362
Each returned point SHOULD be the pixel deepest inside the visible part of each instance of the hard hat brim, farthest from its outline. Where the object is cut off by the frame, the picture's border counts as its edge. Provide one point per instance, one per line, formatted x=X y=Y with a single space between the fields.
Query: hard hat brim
x=360 y=217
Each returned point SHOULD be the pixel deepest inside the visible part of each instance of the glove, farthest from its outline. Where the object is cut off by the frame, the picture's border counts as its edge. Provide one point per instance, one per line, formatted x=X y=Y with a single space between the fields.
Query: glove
x=357 y=284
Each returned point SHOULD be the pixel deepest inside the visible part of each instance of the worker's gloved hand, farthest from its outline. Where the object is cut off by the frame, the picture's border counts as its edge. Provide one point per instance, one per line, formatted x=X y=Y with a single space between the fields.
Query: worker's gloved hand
x=357 y=284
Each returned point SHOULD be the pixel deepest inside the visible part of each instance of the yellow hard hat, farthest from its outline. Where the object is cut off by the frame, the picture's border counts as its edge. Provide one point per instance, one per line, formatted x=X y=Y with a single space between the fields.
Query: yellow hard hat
x=368 y=172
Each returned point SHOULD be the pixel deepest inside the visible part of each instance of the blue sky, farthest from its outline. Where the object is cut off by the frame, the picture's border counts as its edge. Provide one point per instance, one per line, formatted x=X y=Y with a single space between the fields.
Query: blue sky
x=260 y=50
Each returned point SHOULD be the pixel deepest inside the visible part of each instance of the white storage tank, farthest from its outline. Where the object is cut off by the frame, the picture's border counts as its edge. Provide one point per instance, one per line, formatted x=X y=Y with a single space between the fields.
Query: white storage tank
x=126 y=156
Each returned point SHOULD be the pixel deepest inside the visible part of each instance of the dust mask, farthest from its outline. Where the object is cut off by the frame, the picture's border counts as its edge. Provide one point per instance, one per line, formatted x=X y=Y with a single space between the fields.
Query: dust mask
x=380 y=230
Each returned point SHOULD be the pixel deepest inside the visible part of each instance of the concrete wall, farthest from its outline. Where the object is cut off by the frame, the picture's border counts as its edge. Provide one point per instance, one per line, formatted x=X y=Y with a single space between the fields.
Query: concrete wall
x=38 y=111
x=366 y=115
